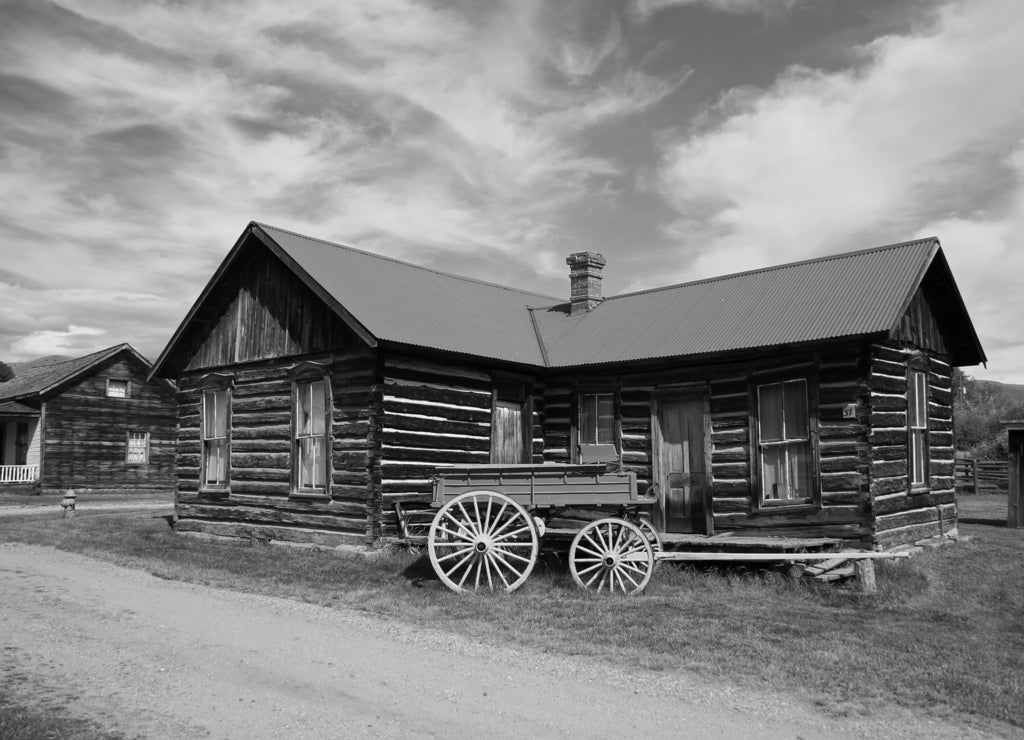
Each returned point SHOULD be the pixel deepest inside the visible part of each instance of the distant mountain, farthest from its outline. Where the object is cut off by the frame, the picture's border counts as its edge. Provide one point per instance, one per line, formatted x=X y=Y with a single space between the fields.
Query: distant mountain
x=18 y=367
x=1009 y=391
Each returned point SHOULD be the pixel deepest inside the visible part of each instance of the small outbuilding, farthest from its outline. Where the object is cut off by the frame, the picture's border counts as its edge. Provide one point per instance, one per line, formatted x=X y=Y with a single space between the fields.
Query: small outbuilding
x=93 y=423
x=321 y=385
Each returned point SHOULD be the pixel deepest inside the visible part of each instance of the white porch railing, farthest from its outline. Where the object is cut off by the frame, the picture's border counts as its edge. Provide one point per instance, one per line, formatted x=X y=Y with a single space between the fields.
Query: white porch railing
x=18 y=473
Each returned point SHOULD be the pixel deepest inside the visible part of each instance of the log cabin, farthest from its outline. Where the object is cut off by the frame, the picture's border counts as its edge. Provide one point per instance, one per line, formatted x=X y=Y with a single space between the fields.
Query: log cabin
x=319 y=385
x=92 y=424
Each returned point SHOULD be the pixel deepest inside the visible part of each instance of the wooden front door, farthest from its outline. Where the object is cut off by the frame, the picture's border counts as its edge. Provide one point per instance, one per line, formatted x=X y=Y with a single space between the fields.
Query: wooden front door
x=681 y=463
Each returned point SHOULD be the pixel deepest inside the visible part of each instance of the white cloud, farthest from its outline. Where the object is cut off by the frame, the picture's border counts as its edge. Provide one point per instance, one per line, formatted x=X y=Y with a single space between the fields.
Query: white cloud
x=76 y=340
x=150 y=134
x=916 y=140
x=645 y=8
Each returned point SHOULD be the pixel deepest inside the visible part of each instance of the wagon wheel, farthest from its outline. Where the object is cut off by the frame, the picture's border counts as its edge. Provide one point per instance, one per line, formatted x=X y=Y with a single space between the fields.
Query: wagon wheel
x=483 y=540
x=653 y=537
x=611 y=553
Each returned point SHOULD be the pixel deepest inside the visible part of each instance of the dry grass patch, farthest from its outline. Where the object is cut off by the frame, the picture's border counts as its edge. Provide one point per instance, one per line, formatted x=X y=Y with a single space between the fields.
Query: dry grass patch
x=943 y=632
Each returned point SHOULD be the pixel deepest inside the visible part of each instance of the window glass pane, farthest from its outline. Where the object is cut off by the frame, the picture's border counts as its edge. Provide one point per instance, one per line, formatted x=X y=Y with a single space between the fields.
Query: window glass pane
x=912 y=404
x=312 y=468
x=773 y=472
x=795 y=414
x=117 y=388
x=799 y=470
x=138 y=444
x=588 y=420
x=304 y=409
x=215 y=414
x=918 y=457
x=921 y=381
x=318 y=406
x=215 y=461
x=605 y=418
x=209 y=415
x=769 y=412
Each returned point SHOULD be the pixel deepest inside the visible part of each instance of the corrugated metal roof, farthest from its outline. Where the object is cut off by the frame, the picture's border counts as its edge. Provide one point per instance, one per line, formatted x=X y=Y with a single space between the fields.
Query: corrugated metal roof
x=857 y=293
x=843 y=295
x=36 y=379
x=399 y=302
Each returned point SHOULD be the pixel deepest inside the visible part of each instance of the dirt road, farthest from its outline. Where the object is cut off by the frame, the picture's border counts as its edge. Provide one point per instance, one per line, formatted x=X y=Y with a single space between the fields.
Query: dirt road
x=162 y=659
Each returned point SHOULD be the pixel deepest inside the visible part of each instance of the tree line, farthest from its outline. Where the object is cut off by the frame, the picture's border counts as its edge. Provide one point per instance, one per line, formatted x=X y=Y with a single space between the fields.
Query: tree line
x=979 y=410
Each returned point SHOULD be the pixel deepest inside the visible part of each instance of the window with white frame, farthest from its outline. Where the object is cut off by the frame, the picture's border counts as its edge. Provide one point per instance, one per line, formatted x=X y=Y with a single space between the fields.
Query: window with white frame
x=117 y=388
x=216 y=427
x=917 y=423
x=311 y=448
x=784 y=442
x=138 y=448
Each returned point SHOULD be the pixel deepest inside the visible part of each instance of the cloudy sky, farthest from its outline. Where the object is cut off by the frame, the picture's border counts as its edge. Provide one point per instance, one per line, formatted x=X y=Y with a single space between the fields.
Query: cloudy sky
x=680 y=138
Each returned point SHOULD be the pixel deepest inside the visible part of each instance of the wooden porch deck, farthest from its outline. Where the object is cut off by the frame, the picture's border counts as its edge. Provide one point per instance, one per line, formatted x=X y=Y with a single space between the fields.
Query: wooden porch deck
x=729 y=541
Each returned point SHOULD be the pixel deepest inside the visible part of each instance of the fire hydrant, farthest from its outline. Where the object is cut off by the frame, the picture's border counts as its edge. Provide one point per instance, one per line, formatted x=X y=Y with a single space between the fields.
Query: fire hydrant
x=68 y=502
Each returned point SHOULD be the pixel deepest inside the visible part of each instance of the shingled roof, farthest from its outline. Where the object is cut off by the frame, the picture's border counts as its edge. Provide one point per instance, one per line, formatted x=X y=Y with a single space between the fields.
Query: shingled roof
x=38 y=380
x=390 y=301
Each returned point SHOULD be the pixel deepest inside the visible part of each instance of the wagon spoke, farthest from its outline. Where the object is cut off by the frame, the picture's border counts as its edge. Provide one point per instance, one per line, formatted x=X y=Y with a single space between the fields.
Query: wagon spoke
x=460 y=535
x=512 y=554
x=451 y=555
x=583 y=571
x=487 y=570
x=508 y=523
x=496 y=562
x=619 y=537
x=469 y=523
x=462 y=562
x=625 y=572
x=588 y=551
x=598 y=546
x=497 y=518
x=469 y=569
x=505 y=536
x=500 y=560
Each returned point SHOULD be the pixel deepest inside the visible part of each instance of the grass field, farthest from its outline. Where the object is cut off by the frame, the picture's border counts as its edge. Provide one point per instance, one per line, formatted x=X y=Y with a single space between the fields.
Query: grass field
x=942 y=633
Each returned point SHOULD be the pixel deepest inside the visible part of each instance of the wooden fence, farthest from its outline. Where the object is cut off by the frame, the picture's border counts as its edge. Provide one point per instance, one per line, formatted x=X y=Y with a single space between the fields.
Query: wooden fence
x=982 y=476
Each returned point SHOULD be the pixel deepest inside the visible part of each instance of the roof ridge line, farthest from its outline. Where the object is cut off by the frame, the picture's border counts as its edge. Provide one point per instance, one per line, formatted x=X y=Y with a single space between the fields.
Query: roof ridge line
x=81 y=357
x=405 y=263
x=773 y=268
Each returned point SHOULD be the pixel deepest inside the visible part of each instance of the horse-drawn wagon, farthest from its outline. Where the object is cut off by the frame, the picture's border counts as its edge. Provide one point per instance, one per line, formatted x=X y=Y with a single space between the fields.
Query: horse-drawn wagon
x=493 y=520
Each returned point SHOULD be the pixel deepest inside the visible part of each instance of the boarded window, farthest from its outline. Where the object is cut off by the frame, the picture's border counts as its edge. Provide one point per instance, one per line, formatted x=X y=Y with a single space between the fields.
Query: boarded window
x=312 y=443
x=138 y=448
x=784 y=442
x=215 y=426
x=117 y=388
x=596 y=427
x=917 y=419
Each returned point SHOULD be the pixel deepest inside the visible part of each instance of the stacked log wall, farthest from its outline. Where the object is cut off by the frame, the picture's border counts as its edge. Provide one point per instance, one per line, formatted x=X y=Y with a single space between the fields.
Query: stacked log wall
x=903 y=515
x=844 y=455
x=259 y=503
x=433 y=415
x=836 y=376
x=85 y=433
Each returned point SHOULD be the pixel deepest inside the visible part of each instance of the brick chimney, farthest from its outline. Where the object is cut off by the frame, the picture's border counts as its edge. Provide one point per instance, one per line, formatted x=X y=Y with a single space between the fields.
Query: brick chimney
x=584 y=280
